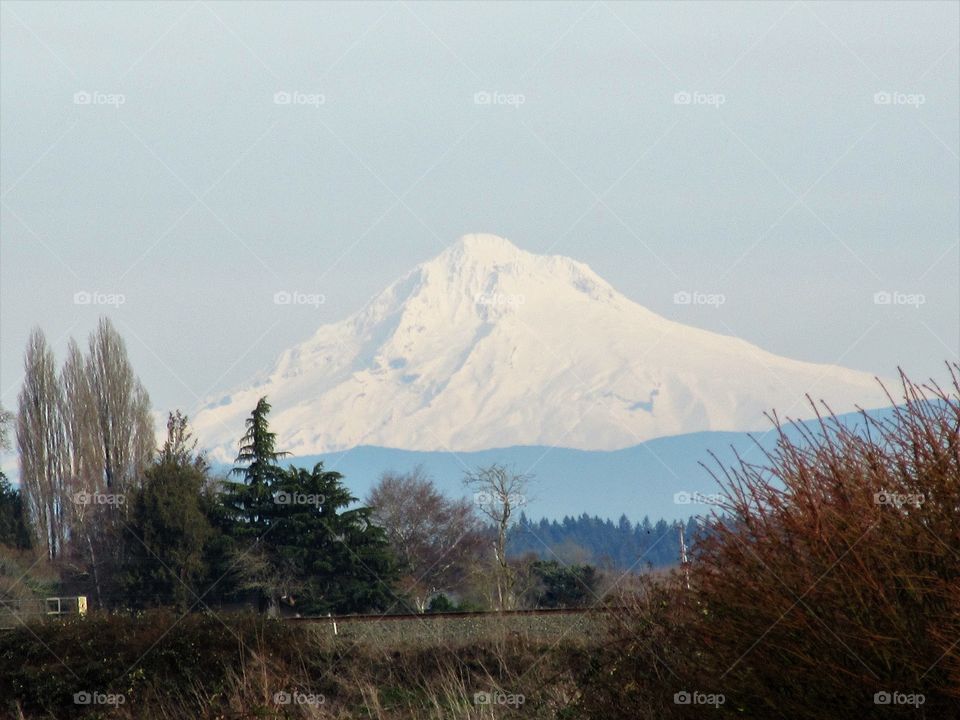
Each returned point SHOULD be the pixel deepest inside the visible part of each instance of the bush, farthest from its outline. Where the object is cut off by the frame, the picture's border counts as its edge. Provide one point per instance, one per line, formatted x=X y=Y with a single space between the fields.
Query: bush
x=154 y=657
x=830 y=577
x=441 y=603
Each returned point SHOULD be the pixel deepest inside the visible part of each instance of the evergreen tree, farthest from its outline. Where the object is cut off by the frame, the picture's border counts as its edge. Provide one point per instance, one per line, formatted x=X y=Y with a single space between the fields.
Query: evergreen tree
x=294 y=540
x=561 y=586
x=168 y=527
x=317 y=555
x=619 y=544
x=14 y=531
x=249 y=503
x=337 y=557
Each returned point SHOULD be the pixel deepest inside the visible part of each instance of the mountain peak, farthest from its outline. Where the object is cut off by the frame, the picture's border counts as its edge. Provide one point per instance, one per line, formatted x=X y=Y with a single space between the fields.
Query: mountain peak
x=486 y=248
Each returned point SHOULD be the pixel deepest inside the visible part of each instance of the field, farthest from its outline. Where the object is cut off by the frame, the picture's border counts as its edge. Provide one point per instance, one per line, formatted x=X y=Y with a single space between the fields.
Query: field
x=450 y=629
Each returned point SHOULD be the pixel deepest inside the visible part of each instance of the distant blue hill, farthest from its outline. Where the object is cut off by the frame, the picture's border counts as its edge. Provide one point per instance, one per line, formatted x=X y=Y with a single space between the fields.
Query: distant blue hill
x=636 y=481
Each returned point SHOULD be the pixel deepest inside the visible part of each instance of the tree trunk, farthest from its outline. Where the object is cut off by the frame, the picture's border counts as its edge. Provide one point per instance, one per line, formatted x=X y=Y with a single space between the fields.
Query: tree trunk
x=96 y=573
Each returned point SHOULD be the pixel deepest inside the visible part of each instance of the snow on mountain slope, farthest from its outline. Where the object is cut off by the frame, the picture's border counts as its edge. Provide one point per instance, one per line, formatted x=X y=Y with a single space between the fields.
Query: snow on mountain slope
x=490 y=346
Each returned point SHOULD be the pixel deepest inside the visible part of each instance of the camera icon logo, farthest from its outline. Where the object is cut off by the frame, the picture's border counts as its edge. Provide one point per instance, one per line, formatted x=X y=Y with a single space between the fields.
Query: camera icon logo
x=882 y=698
x=482 y=498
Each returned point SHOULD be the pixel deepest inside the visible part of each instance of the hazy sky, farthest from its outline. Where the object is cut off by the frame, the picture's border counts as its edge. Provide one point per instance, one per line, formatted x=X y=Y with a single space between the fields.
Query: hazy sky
x=797 y=158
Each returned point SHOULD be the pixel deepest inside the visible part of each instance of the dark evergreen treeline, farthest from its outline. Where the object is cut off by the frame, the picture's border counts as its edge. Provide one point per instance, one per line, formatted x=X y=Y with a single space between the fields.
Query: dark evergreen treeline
x=622 y=545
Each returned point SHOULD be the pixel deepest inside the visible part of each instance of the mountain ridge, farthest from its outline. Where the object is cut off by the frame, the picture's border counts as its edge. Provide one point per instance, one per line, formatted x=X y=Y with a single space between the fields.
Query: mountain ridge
x=644 y=479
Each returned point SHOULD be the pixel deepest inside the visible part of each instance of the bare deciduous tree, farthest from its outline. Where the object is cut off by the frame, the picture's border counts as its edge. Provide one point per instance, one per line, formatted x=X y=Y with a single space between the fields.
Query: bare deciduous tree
x=87 y=432
x=435 y=539
x=6 y=417
x=180 y=446
x=41 y=442
x=116 y=435
x=85 y=461
x=79 y=412
x=498 y=491
x=125 y=427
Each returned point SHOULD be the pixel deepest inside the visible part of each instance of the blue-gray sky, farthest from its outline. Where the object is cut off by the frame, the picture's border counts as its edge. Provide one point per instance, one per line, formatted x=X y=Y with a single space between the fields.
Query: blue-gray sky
x=798 y=158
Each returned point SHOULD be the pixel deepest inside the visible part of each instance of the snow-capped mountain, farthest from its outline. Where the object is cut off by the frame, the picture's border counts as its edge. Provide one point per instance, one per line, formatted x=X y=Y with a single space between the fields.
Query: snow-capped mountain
x=490 y=346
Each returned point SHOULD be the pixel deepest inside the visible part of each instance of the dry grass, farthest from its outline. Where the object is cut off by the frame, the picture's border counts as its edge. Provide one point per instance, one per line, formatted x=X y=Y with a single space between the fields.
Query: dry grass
x=244 y=667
